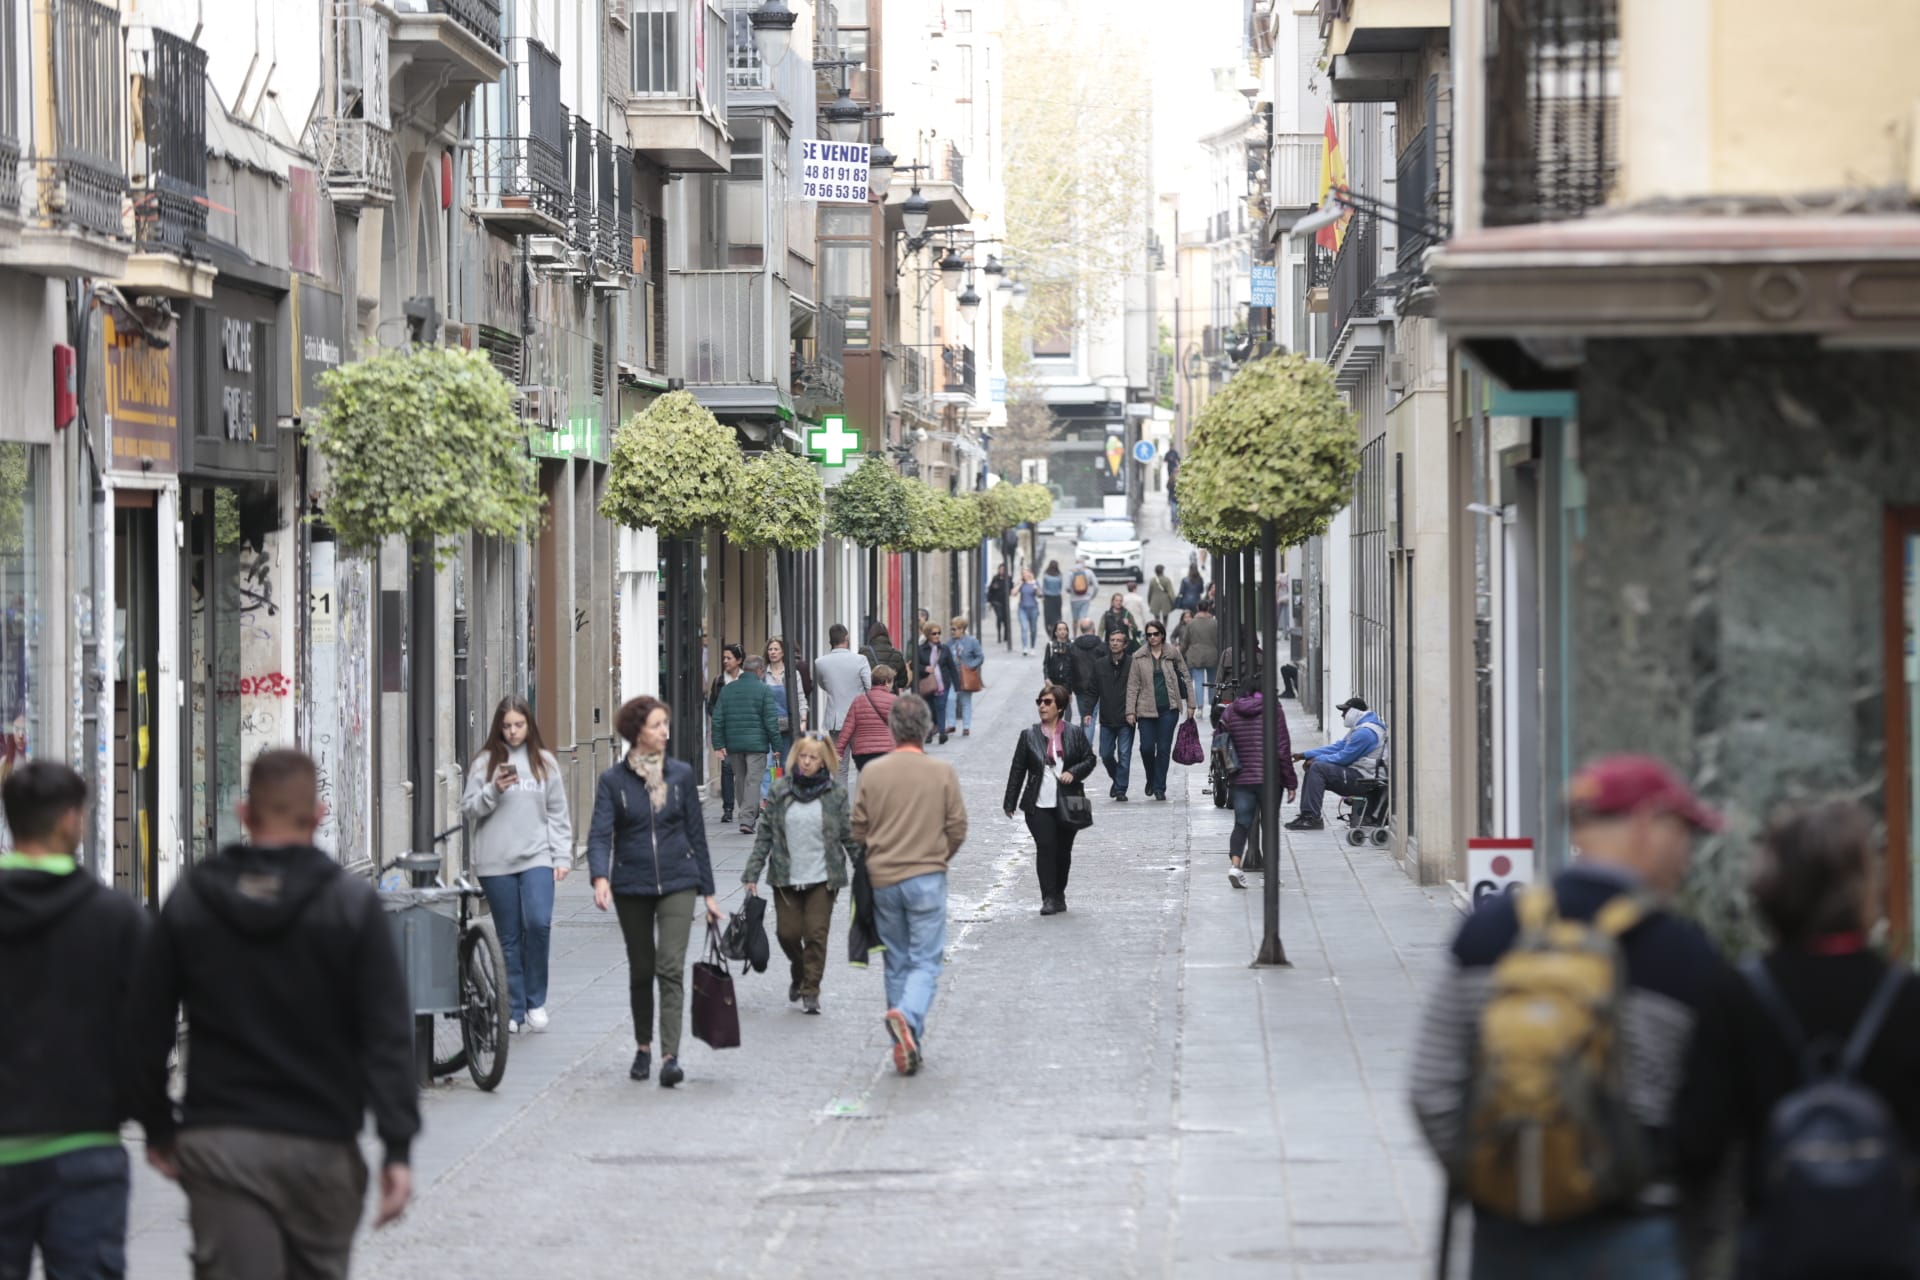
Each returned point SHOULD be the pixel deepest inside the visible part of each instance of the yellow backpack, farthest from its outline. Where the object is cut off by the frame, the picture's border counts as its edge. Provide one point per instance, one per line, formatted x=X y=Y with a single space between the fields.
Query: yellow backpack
x=1549 y=1135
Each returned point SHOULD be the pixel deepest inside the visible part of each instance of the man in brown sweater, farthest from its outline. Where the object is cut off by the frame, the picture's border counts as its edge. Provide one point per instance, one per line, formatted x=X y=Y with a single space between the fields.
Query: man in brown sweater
x=911 y=819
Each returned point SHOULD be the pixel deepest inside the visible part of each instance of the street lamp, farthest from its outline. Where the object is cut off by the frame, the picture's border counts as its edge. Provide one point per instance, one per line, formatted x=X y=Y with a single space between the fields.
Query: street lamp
x=914 y=214
x=845 y=118
x=993 y=267
x=880 y=164
x=969 y=304
x=773 y=30
x=951 y=266
x=1017 y=299
x=1196 y=365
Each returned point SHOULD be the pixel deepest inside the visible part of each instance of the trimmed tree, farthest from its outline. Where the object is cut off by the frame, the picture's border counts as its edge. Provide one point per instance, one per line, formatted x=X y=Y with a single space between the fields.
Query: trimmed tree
x=423 y=445
x=779 y=503
x=869 y=507
x=1036 y=502
x=675 y=468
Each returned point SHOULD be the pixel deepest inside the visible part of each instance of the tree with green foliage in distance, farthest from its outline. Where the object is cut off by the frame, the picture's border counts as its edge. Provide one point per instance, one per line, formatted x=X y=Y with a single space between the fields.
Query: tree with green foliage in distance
x=424 y=445
x=675 y=468
x=779 y=503
x=869 y=507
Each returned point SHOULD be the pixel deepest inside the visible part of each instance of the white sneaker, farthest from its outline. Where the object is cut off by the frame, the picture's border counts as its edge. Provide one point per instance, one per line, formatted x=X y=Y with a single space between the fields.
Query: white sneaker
x=1237 y=878
x=537 y=1019
x=513 y=1028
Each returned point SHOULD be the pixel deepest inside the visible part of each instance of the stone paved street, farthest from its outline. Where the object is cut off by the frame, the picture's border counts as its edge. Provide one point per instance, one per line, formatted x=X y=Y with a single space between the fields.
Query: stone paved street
x=1112 y=1091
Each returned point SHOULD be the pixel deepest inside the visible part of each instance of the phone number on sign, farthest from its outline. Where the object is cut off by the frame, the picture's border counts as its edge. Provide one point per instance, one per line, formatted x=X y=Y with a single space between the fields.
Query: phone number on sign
x=833 y=191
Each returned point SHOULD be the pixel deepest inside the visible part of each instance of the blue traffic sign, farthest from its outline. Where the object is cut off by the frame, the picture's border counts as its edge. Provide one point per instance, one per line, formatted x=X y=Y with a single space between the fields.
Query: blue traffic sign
x=1143 y=451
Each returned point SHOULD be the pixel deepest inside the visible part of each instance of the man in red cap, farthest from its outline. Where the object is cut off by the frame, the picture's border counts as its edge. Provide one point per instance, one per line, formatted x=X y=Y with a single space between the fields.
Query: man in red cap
x=1633 y=823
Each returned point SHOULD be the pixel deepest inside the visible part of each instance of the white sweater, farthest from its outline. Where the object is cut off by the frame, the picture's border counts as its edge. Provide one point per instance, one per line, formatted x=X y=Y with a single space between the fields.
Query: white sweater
x=522 y=828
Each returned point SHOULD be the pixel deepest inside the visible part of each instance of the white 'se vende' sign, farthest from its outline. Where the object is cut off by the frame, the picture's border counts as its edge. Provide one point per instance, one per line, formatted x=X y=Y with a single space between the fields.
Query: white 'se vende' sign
x=834 y=171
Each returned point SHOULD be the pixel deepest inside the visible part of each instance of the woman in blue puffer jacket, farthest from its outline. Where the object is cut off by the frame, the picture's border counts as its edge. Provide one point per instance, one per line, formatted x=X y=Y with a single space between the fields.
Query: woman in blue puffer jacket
x=1242 y=723
x=647 y=854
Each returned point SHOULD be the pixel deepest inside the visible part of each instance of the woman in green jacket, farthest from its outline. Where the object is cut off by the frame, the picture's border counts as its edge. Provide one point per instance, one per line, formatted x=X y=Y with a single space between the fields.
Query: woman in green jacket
x=803 y=844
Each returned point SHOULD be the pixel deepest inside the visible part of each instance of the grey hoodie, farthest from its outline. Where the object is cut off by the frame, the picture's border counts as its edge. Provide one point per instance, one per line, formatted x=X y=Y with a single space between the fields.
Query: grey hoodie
x=520 y=829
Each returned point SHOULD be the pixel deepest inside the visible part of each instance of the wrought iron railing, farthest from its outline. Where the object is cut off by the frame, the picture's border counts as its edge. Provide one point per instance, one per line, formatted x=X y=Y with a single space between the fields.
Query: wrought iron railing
x=582 y=220
x=173 y=208
x=9 y=112
x=86 y=176
x=620 y=252
x=1417 y=198
x=952 y=166
x=520 y=173
x=915 y=384
x=481 y=18
x=719 y=331
x=355 y=155
x=1552 y=109
x=959 y=365
x=1320 y=267
x=676 y=60
x=1355 y=268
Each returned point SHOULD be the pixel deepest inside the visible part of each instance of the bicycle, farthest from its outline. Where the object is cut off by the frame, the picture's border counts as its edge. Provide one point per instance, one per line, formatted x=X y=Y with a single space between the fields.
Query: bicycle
x=473 y=1033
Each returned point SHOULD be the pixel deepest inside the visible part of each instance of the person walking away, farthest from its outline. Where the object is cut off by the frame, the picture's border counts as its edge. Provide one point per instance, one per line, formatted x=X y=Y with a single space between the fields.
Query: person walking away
x=1160 y=594
x=1193 y=589
x=1201 y=649
x=1341 y=767
x=840 y=675
x=647 y=858
x=1117 y=618
x=939 y=676
x=968 y=657
x=1049 y=758
x=69 y=950
x=911 y=819
x=802 y=847
x=1821 y=1011
x=746 y=726
x=1111 y=676
x=880 y=652
x=1053 y=587
x=1028 y=594
x=1246 y=788
x=1056 y=666
x=1597 y=1196
x=1158 y=690
x=732 y=658
x=1082 y=587
x=865 y=734
x=298 y=1024
x=1136 y=606
x=1087 y=651
x=791 y=719
x=522 y=849
x=999 y=590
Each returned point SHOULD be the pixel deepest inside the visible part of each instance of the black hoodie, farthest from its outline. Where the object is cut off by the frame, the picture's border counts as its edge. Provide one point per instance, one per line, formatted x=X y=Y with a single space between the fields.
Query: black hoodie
x=68 y=947
x=297 y=1013
x=1086 y=652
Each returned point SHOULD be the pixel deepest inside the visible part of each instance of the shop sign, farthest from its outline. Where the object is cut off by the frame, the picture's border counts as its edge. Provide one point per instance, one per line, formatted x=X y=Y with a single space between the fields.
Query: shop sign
x=239 y=414
x=143 y=402
x=317 y=342
x=838 y=172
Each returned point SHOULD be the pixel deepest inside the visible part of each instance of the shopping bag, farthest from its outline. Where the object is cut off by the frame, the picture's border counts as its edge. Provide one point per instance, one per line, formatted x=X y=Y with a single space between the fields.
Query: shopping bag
x=716 y=1016
x=1186 y=743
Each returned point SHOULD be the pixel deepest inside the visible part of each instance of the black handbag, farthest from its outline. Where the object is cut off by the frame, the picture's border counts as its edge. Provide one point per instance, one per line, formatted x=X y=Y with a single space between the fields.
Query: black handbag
x=1074 y=809
x=716 y=1014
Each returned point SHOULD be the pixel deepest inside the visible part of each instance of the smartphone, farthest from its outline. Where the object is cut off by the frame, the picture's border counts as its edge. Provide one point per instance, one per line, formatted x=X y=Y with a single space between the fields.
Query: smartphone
x=512 y=777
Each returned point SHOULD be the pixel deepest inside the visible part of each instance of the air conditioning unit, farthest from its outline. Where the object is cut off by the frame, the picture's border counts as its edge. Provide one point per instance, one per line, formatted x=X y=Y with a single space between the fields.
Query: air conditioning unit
x=544 y=251
x=1399 y=371
x=536 y=406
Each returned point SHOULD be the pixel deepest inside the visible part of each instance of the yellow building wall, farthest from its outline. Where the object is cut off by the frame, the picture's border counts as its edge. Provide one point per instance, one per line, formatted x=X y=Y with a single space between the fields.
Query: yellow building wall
x=1766 y=97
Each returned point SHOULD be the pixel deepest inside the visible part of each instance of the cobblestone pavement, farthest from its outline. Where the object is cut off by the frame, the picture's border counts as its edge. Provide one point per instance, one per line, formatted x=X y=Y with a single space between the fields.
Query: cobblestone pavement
x=1108 y=1092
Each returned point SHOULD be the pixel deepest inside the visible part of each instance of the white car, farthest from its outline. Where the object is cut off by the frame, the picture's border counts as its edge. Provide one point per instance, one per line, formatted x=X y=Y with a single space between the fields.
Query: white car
x=1113 y=547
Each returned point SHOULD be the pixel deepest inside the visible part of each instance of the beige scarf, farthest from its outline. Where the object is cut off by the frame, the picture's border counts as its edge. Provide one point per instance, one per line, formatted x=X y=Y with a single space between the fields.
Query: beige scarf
x=652 y=770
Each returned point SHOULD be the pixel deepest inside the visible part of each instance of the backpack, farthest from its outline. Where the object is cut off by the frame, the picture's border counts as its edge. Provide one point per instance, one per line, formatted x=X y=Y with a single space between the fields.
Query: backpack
x=1837 y=1188
x=1549 y=1135
x=1080 y=584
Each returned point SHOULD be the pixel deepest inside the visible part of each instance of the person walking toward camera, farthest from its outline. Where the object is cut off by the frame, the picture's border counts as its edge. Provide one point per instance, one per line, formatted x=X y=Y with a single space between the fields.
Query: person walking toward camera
x=803 y=846
x=298 y=1024
x=911 y=820
x=1242 y=724
x=1157 y=692
x=1027 y=596
x=939 y=677
x=1110 y=677
x=790 y=719
x=1118 y=618
x=1050 y=759
x=522 y=848
x=968 y=657
x=69 y=949
x=999 y=593
x=647 y=857
x=746 y=726
x=732 y=660
x=1056 y=667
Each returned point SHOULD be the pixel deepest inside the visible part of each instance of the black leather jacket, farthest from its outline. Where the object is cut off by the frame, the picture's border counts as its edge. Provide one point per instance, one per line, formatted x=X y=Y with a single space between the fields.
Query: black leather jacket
x=1029 y=763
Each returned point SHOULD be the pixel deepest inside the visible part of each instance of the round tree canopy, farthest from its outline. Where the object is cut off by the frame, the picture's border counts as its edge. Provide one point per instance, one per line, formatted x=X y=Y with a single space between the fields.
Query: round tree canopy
x=998 y=508
x=1276 y=445
x=675 y=468
x=1036 y=502
x=869 y=506
x=780 y=503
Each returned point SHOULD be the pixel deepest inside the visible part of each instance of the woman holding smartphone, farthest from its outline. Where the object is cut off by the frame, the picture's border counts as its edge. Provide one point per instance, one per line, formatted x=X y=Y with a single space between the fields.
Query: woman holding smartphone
x=522 y=848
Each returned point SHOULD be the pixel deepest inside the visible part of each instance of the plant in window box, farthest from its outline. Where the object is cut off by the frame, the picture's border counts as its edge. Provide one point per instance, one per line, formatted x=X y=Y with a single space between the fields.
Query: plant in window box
x=423 y=445
x=675 y=469
x=779 y=503
x=869 y=507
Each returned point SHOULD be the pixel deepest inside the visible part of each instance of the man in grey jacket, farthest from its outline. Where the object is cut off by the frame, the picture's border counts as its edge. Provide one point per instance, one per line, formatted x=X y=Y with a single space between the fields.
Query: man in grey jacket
x=839 y=676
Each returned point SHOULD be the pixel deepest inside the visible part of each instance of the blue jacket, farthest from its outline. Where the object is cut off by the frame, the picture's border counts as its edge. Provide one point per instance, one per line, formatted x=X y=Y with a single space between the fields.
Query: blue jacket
x=651 y=854
x=1365 y=742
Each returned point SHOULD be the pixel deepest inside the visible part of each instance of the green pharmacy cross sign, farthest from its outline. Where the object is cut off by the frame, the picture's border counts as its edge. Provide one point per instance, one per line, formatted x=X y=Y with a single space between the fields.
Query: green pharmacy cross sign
x=832 y=443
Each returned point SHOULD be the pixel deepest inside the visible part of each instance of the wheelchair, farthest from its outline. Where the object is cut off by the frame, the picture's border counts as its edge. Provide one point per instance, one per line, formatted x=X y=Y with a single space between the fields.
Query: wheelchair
x=1365 y=813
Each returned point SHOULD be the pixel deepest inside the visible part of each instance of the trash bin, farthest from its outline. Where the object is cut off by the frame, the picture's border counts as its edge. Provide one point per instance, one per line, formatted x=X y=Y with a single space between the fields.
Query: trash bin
x=427 y=936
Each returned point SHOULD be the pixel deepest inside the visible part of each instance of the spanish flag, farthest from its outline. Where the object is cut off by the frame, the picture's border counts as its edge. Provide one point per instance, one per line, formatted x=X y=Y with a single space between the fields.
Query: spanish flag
x=1333 y=177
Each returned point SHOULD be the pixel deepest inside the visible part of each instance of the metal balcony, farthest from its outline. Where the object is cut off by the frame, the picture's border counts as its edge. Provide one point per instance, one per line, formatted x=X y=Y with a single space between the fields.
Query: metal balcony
x=520 y=186
x=356 y=161
x=1553 y=132
x=442 y=50
x=719 y=335
x=676 y=93
x=959 y=366
x=944 y=186
x=1297 y=159
x=583 y=211
x=171 y=211
x=9 y=117
x=1355 y=269
x=819 y=379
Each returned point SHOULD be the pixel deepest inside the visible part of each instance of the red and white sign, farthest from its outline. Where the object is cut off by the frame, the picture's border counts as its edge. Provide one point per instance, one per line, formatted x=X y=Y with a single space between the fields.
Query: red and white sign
x=1496 y=866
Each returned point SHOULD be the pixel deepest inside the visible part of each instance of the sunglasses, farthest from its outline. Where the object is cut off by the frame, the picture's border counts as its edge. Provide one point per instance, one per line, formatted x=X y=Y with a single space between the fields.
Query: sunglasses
x=1043 y=702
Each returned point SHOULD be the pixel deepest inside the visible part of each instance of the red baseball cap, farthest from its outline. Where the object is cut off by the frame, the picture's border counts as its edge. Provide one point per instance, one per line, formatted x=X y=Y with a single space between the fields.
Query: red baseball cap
x=1618 y=785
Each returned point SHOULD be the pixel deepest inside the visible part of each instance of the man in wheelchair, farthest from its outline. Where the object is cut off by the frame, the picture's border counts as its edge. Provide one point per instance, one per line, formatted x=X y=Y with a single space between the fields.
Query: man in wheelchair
x=1348 y=767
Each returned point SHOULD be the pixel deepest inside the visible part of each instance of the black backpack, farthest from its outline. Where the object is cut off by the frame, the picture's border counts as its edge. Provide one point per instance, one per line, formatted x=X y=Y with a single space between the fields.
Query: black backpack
x=1836 y=1175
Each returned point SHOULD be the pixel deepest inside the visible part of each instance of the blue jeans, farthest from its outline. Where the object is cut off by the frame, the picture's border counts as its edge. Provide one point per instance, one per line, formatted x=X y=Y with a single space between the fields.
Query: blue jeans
x=1116 y=753
x=1156 y=747
x=1342 y=780
x=73 y=1208
x=1246 y=819
x=522 y=906
x=911 y=918
x=937 y=704
x=1646 y=1247
x=1202 y=685
x=960 y=713
x=1029 y=625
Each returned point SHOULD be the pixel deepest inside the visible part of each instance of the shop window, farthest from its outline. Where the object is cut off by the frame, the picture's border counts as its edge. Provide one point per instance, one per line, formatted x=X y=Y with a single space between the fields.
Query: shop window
x=23 y=677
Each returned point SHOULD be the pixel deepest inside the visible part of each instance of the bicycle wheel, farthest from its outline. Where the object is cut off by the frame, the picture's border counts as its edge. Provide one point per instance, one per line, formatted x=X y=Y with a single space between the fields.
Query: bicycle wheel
x=449 y=1046
x=484 y=1007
